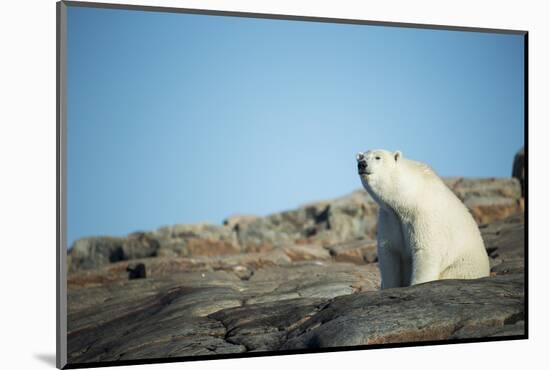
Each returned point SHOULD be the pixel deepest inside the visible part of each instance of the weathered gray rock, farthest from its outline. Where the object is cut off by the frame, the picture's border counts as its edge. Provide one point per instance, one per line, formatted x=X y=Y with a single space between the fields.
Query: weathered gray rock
x=505 y=241
x=323 y=223
x=434 y=311
x=170 y=314
x=265 y=326
x=197 y=240
x=90 y=253
x=163 y=324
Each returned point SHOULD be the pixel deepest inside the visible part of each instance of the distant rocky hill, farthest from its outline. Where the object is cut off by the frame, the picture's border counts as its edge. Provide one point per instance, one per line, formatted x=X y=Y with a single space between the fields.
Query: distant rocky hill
x=339 y=224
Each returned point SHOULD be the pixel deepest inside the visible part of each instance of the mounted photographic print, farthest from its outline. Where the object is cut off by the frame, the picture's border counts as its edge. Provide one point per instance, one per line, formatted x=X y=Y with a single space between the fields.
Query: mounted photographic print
x=235 y=184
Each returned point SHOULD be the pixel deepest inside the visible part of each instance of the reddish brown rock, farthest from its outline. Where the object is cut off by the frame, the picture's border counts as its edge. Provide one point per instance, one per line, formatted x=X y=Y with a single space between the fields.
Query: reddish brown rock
x=486 y=210
x=210 y=247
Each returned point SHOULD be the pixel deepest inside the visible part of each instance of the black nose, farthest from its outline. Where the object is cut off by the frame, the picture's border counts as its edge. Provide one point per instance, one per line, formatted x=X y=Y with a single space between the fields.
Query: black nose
x=362 y=165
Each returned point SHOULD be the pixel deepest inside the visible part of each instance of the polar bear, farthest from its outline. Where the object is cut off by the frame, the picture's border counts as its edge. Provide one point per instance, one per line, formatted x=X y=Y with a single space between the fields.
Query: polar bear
x=425 y=232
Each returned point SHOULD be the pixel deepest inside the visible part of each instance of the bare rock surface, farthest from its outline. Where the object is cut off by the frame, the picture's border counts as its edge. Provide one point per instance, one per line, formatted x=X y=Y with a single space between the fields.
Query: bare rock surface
x=434 y=311
x=169 y=315
x=187 y=321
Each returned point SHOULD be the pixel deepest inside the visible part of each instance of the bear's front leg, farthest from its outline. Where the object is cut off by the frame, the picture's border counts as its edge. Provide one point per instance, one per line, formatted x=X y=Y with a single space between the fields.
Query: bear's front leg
x=389 y=262
x=391 y=248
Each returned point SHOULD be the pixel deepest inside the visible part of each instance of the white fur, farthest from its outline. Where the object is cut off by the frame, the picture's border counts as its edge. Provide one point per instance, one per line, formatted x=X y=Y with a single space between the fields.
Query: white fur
x=425 y=233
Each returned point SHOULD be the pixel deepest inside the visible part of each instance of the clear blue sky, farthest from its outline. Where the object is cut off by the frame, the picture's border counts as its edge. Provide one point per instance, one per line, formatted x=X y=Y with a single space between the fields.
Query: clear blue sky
x=177 y=118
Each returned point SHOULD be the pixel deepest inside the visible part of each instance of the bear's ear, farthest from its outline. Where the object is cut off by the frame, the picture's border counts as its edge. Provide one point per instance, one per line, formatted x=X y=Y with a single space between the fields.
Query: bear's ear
x=397 y=155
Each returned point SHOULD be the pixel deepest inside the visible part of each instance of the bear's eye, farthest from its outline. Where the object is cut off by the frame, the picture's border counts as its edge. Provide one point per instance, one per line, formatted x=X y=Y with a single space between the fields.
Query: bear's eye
x=377 y=158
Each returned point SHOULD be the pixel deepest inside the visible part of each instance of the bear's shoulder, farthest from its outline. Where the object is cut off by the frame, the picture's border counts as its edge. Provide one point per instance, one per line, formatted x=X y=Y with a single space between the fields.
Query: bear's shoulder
x=419 y=168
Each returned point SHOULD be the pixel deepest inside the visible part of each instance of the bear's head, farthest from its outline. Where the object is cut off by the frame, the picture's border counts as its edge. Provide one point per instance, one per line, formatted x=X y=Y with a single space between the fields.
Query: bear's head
x=375 y=168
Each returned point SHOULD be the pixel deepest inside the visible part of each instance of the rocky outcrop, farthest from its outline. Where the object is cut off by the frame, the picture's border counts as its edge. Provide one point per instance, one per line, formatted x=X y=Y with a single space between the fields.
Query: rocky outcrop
x=488 y=199
x=439 y=310
x=504 y=240
x=344 y=225
x=518 y=169
x=91 y=253
x=286 y=297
